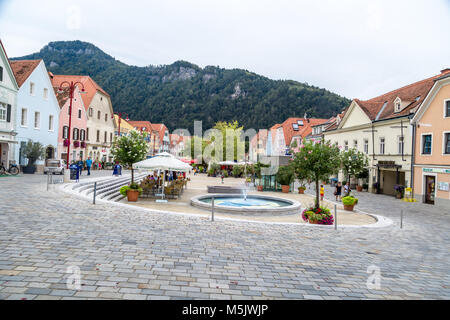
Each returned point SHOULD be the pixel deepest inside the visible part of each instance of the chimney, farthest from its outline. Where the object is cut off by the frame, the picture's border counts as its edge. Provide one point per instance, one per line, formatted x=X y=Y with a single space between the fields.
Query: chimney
x=445 y=70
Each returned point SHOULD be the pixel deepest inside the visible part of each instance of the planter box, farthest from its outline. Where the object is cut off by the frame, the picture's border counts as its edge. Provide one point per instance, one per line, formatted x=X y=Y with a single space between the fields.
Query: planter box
x=285 y=189
x=29 y=169
x=132 y=195
x=359 y=188
x=260 y=188
x=349 y=208
x=301 y=191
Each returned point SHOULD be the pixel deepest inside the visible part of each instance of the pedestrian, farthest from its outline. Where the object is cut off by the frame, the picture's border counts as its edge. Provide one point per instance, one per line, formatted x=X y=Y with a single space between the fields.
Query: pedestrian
x=347 y=189
x=322 y=192
x=89 y=165
x=222 y=176
x=338 y=191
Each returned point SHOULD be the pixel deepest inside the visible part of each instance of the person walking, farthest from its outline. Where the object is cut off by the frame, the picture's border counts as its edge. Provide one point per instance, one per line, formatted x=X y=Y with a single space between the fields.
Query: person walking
x=222 y=176
x=338 y=191
x=347 y=189
x=89 y=165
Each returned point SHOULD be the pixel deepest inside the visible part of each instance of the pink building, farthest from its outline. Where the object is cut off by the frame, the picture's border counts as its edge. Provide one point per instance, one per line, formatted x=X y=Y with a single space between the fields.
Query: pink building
x=78 y=126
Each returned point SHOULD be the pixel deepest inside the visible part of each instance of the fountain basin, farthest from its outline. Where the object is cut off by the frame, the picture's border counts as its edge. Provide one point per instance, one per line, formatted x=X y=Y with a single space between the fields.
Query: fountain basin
x=256 y=205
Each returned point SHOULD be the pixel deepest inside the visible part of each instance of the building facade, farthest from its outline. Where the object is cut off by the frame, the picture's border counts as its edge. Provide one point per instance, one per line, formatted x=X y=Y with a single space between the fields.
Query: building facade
x=37 y=110
x=380 y=128
x=78 y=126
x=432 y=145
x=100 y=122
x=8 y=110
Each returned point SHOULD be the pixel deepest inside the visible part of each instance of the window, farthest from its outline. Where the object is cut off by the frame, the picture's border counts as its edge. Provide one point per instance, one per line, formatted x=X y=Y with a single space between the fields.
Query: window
x=23 y=120
x=427 y=141
x=45 y=93
x=65 y=133
x=401 y=145
x=447 y=143
x=295 y=126
x=37 y=120
x=32 y=88
x=447 y=108
x=75 y=134
x=105 y=136
x=1 y=74
x=106 y=117
x=382 y=145
x=110 y=137
x=300 y=122
x=99 y=114
x=366 y=146
x=98 y=135
x=91 y=112
x=79 y=113
x=2 y=112
x=355 y=144
x=50 y=123
x=87 y=134
x=346 y=145
x=82 y=135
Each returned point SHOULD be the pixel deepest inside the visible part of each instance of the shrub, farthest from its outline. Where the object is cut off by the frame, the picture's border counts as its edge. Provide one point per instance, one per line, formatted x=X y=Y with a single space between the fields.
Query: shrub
x=285 y=175
x=349 y=201
x=123 y=190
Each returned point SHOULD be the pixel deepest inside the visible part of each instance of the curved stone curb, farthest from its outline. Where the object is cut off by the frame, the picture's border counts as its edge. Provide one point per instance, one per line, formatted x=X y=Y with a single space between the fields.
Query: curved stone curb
x=381 y=221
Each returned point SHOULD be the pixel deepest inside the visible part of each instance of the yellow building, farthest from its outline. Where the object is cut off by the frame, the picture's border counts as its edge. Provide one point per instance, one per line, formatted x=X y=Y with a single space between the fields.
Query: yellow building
x=125 y=126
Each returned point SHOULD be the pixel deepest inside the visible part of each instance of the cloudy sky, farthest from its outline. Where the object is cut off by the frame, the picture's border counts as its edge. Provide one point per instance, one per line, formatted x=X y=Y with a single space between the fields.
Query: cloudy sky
x=352 y=47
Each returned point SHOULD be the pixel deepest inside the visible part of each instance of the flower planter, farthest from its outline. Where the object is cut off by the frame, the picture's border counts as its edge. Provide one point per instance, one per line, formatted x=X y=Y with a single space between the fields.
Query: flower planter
x=348 y=207
x=260 y=188
x=359 y=188
x=285 y=189
x=313 y=222
x=29 y=169
x=301 y=191
x=398 y=195
x=132 y=195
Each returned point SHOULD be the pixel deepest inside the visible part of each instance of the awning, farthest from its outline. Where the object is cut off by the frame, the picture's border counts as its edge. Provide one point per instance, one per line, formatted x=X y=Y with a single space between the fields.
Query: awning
x=162 y=161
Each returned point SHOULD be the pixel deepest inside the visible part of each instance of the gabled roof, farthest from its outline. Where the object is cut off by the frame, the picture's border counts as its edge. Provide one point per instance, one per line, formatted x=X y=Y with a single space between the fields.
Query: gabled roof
x=303 y=131
x=90 y=86
x=22 y=69
x=161 y=128
x=8 y=65
x=142 y=124
x=382 y=107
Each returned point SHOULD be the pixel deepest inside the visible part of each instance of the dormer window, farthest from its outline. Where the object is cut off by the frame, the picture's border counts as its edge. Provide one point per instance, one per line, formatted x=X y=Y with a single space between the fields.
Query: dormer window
x=300 y=122
x=397 y=105
x=295 y=126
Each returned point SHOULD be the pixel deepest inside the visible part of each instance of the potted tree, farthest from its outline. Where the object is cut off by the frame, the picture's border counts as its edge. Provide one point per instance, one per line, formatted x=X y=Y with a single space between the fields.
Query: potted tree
x=258 y=172
x=33 y=151
x=302 y=176
x=354 y=163
x=362 y=175
x=318 y=161
x=132 y=192
x=128 y=150
x=285 y=176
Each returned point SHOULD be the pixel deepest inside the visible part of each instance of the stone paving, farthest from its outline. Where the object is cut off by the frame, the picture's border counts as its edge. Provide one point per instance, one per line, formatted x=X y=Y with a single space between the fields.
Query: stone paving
x=124 y=253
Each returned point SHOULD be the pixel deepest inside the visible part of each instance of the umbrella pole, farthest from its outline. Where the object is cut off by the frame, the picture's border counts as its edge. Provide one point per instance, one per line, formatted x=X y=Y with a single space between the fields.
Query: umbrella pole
x=163 y=185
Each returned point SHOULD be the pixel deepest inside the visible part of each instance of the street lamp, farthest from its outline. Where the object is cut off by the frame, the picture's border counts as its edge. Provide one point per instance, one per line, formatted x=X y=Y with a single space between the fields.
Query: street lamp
x=71 y=86
x=120 y=115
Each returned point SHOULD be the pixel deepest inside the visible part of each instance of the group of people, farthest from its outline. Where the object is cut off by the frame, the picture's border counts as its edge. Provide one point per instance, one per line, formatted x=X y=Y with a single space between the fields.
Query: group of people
x=89 y=164
x=338 y=190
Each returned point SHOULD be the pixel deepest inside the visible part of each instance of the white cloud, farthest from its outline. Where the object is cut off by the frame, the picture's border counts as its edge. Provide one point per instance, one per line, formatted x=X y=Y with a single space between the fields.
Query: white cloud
x=355 y=48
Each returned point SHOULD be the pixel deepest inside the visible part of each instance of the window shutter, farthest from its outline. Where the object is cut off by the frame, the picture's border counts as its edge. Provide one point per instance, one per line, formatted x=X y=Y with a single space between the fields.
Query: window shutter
x=8 y=113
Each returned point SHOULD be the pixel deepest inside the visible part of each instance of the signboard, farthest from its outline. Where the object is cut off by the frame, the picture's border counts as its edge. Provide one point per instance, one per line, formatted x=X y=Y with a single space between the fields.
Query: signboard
x=443 y=186
x=436 y=170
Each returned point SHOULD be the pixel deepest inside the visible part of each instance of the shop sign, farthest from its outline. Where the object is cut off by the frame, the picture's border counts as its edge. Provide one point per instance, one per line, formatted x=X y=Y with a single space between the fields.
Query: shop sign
x=436 y=170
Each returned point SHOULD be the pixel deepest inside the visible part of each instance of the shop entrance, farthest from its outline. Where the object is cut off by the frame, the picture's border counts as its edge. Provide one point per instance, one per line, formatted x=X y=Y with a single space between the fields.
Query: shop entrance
x=430 y=182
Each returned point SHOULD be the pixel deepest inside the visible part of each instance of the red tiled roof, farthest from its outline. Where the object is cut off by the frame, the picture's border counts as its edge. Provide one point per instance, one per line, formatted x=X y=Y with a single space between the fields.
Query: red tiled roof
x=90 y=86
x=142 y=124
x=62 y=97
x=413 y=93
x=161 y=128
x=303 y=131
x=22 y=69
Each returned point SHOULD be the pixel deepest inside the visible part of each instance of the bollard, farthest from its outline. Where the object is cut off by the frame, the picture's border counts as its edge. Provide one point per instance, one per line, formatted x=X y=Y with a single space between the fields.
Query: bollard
x=335 y=217
x=95 y=191
x=47 y=180
x=401 y=219
x=212 y=209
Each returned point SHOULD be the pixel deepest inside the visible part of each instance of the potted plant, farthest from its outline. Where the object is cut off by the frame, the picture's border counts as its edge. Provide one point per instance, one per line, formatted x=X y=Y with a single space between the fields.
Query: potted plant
x=33 y=151
x=399 y=191
x=319 y=215
x=76 y=144
x=132 y=192
x=285 y=176
x=257 y=170
x=349 y=202
x=365 y=187
x=362 y=175
x=301 y=189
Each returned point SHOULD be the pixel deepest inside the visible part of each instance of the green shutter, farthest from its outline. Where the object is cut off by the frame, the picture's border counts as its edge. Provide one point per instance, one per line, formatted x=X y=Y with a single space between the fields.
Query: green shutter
x=8 y=113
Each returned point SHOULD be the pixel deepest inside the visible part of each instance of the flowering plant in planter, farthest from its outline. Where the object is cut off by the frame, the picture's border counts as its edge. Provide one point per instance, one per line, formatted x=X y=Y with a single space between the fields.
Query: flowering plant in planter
x=319 y=215
x=349 y=202
x=400 y=190
x=76 y=144
x=83 y=144
x=66 y=142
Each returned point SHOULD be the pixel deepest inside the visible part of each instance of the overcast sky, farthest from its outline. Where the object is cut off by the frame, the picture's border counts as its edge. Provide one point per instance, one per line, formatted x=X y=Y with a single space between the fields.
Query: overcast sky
x=358 y=49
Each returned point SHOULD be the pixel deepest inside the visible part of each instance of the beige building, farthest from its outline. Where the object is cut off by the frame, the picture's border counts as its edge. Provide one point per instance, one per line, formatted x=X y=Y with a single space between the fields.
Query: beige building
x=100 y=124
x=380 y=127
x=432 y=145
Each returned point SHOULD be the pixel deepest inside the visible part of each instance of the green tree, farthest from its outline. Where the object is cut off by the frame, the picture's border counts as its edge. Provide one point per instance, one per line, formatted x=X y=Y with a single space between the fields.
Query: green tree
x=231 y=130
x=353 y=163
x=130 y=149
x=33 y=151
x=318 y=161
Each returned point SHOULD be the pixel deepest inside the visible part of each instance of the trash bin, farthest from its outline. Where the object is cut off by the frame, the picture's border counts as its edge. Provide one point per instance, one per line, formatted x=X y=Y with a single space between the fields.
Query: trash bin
x=74 y=172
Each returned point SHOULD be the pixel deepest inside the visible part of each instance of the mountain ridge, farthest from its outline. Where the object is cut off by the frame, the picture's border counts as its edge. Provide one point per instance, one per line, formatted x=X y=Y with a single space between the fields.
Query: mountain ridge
x=179 y=93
